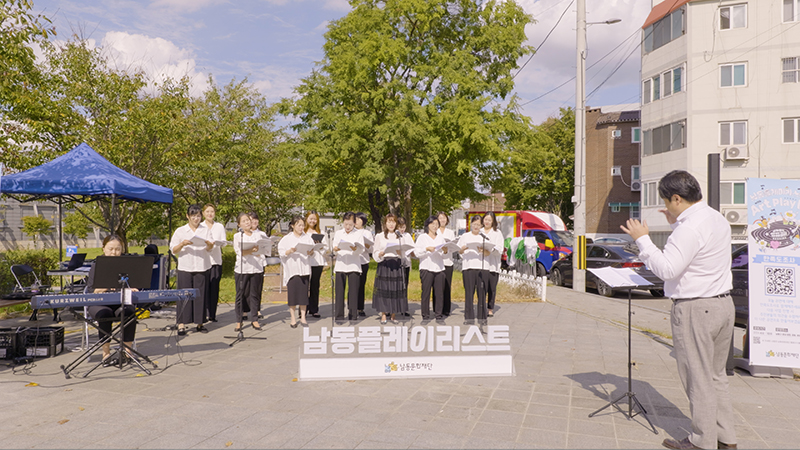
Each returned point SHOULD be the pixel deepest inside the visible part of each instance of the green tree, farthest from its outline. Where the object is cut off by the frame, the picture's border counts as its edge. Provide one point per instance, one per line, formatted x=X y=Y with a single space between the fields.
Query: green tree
x=538 y=170
x=76 y=225
x=35 y=226
x=404 y=107
x=236 y=158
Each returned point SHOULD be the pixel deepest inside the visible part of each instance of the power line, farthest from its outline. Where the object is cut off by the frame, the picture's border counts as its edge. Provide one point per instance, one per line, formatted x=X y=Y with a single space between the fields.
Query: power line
x=536 y=50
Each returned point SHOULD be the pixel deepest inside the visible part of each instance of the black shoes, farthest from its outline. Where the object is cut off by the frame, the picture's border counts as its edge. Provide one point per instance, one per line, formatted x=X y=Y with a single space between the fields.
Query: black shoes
x=362 y=314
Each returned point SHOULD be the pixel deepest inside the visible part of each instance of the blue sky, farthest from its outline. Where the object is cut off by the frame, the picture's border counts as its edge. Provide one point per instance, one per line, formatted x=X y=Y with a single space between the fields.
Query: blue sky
x=274 y=43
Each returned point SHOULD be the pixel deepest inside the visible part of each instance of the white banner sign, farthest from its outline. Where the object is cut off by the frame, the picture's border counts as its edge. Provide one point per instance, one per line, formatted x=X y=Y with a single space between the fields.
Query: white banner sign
x=773 y=247
x=400 y=351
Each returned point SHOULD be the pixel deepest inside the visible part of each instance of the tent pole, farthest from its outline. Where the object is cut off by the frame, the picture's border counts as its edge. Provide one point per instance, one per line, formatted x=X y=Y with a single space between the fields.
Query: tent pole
x=60 y=238
x=113 y=210
x=169 y=250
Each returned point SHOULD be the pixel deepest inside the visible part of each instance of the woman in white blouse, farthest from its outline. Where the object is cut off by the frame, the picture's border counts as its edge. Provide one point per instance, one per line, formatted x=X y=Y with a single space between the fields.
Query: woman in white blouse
x=215 y=275
x=246 y=271
x=448 y=236
x=473 y=270
x=368 y=238
x=493 y=259
x=405 y=238
x=389 y=293
x=296 y=268
x=431 y=269
x=317 y=261
x=192 y=245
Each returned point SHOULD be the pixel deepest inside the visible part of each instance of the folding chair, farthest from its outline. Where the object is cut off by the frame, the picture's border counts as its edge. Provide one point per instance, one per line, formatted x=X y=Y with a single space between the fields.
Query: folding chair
x=19 y=271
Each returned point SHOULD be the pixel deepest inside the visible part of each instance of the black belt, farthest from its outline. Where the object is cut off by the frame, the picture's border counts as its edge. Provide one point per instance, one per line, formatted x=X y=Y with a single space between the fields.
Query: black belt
x=695 y=298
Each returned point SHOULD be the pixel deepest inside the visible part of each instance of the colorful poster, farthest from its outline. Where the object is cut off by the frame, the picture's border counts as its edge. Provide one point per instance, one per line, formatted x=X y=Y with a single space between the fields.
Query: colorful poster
x=774 y=251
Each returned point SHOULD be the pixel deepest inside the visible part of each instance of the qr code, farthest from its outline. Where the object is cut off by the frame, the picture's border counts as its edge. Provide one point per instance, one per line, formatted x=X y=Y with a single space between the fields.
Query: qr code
x=779 y=281
x=756 y=340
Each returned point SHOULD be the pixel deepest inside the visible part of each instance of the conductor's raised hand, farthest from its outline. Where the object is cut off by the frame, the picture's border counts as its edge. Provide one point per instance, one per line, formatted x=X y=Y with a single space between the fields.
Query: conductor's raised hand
x=635 y=229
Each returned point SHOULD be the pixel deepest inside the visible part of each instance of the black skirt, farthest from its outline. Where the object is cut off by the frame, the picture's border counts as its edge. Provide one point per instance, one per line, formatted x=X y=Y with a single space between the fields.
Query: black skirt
x=389 y=294
x=297 y=288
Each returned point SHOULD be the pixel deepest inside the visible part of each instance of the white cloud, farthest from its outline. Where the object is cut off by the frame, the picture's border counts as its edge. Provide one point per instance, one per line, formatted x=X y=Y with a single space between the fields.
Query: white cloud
x=274 y=81
x=158 y=58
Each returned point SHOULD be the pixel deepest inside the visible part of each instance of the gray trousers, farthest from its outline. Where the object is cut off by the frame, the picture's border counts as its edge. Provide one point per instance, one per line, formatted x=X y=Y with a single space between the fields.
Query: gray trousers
x=701 y=333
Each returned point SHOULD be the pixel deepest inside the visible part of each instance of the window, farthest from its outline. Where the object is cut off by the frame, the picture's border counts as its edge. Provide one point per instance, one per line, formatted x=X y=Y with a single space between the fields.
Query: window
x=791 y=74
x=677 y=75
x=731 y=193
x=650 y=194
x=635 y=213
x=790 y=10
x=636 y=135
x=615 y=208
x=656 y=87
x=732 y=75
x=664 y=138
x=634 y=173
x=662 y=85
x=791 y=131
x=732 y=133
x=667 y=79
x=646 y=93
x=616 y=134
x=664 y=31
x=733 y=17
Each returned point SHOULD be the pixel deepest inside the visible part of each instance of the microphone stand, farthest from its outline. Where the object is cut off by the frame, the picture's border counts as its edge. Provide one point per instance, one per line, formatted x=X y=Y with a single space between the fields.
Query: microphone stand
x=240 y=335
x=483 y=313
x=333 y=282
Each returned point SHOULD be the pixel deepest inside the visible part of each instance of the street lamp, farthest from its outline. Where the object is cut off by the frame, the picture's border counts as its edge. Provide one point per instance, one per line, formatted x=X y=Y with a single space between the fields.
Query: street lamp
x=579 y=199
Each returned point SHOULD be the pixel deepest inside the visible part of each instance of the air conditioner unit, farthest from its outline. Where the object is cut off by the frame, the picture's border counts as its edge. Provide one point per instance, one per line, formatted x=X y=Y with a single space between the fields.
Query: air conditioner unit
x=736 y=153
x=735 y=216
x=636 y=185
x=616 y=134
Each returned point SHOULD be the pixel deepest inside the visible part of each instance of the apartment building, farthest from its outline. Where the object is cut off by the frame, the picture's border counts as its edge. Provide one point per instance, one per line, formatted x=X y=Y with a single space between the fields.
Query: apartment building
x=719 y=77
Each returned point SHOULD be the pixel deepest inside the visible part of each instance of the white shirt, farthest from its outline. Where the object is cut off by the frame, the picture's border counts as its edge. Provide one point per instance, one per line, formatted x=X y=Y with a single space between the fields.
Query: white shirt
x=493 y=259
x=346 y=260
x=367 y=237
x=471 y=258
x=249 y=263
x=217 y=234
x=696 y=262
x=448 y=236
x=296 y=263
x=192 y=258
x=262 y=258
x=318 y=258
x=432 y=262
x=380 y=245
x=406 y=239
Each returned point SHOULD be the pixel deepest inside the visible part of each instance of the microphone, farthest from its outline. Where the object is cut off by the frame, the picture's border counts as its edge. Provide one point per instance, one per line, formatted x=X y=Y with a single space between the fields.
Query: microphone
x=398 y=234
x=240 y=230
x=484 y=236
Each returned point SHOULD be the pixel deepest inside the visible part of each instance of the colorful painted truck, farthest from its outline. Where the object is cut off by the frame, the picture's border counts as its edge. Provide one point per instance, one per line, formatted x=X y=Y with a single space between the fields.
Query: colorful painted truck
x=544 y=229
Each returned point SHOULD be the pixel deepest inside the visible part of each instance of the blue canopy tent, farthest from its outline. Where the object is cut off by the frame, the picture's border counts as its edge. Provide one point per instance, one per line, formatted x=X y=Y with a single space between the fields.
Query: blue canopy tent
x=82 y=175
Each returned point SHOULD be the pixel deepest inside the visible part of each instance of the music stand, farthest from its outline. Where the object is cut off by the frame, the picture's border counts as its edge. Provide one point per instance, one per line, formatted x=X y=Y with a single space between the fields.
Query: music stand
x=122 y=273
x=629 y=280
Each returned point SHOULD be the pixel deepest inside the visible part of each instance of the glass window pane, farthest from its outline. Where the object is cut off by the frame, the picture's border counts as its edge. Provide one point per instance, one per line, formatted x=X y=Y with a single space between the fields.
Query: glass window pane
x=656 y=87
x=647 y=143
x=676 y=138
x=725 y=193
x=738 y=75
x=788 y=10
x=739 y=16
x=739 y=133
x=677 y=23
x=636 y=135
x=646 y=92
x=648 y=39
x=724 y=18
x=676 y=79
x=788 y=131
x=667 y=83
x=658 y=34
x=726 y=76
x=724 y=134
x=635 y=172
x=738 y=193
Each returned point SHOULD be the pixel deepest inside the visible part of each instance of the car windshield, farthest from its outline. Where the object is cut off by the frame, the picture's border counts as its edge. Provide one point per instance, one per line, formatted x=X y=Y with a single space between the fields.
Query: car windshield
x=563 y=238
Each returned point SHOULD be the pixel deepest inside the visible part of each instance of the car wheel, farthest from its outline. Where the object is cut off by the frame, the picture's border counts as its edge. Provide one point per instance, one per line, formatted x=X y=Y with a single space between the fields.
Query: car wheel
x=556 y=278
x=604 y=289
x=540 y=270
x=658 y=293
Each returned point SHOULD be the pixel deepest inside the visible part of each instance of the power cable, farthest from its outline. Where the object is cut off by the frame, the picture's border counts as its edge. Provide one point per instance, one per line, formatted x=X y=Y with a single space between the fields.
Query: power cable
x=536 y=50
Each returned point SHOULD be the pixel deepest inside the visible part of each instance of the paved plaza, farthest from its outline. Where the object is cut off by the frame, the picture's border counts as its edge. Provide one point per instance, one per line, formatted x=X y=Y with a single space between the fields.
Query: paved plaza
x=570 y=357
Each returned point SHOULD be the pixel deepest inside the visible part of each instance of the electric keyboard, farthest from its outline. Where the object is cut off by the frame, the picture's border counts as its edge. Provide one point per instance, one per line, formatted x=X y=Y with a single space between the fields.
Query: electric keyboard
x=111 y=298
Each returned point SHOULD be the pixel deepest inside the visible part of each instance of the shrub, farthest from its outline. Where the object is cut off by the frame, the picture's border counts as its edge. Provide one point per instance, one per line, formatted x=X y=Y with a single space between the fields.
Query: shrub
x=40 y=260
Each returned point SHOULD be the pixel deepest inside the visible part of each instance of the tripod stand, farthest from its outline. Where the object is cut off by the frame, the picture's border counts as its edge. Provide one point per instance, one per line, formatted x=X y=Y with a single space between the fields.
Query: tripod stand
x=240 y=294
x=629 y=394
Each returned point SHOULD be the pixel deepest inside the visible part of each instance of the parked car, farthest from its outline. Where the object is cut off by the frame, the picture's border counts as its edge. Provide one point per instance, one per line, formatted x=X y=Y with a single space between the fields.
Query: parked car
x=740 y=291
x=607 y=255
x=610 y=240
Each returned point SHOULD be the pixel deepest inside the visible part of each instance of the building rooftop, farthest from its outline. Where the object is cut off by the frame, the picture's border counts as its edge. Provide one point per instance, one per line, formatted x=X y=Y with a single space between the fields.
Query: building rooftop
x=662 y=9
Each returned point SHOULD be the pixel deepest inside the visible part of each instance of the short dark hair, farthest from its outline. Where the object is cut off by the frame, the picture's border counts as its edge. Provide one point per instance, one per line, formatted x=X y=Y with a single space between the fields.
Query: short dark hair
x=349 y=215
x=429 y=220
x=194 y=210
x=239 y=217
x=494 y=219
x=297 y=218
x=113 y=237
x=476 y=218
x=363 y=217
x=401 y=220
x=681 y=183
x=253 y=215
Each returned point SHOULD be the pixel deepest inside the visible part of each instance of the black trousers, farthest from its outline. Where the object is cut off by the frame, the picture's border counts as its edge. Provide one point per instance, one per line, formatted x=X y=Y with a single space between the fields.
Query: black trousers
x=313 y=289
x=475 y=280
x=432 y=281
x=343 y=279
x=491 y=288
x=193 y=310
x=214 y=278
x=448 y=284
x=406 y=273
x=247 y=291
x=362 y=286
x=105 y=316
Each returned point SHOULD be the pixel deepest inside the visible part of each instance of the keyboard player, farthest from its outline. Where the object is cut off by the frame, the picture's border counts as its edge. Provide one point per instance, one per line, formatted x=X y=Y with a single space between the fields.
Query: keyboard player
x=104 y=314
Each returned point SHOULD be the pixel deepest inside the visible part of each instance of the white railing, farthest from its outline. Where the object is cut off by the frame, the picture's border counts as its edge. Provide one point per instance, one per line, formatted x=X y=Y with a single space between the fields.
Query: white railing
x=515 y=279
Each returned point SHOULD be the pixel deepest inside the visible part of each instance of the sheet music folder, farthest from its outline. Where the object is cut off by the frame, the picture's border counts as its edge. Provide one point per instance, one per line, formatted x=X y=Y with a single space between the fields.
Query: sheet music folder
x=138 y=268
x=620 y=277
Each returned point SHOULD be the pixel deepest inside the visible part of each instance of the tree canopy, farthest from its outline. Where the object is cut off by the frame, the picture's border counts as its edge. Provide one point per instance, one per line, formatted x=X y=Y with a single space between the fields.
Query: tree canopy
x=405 y=105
